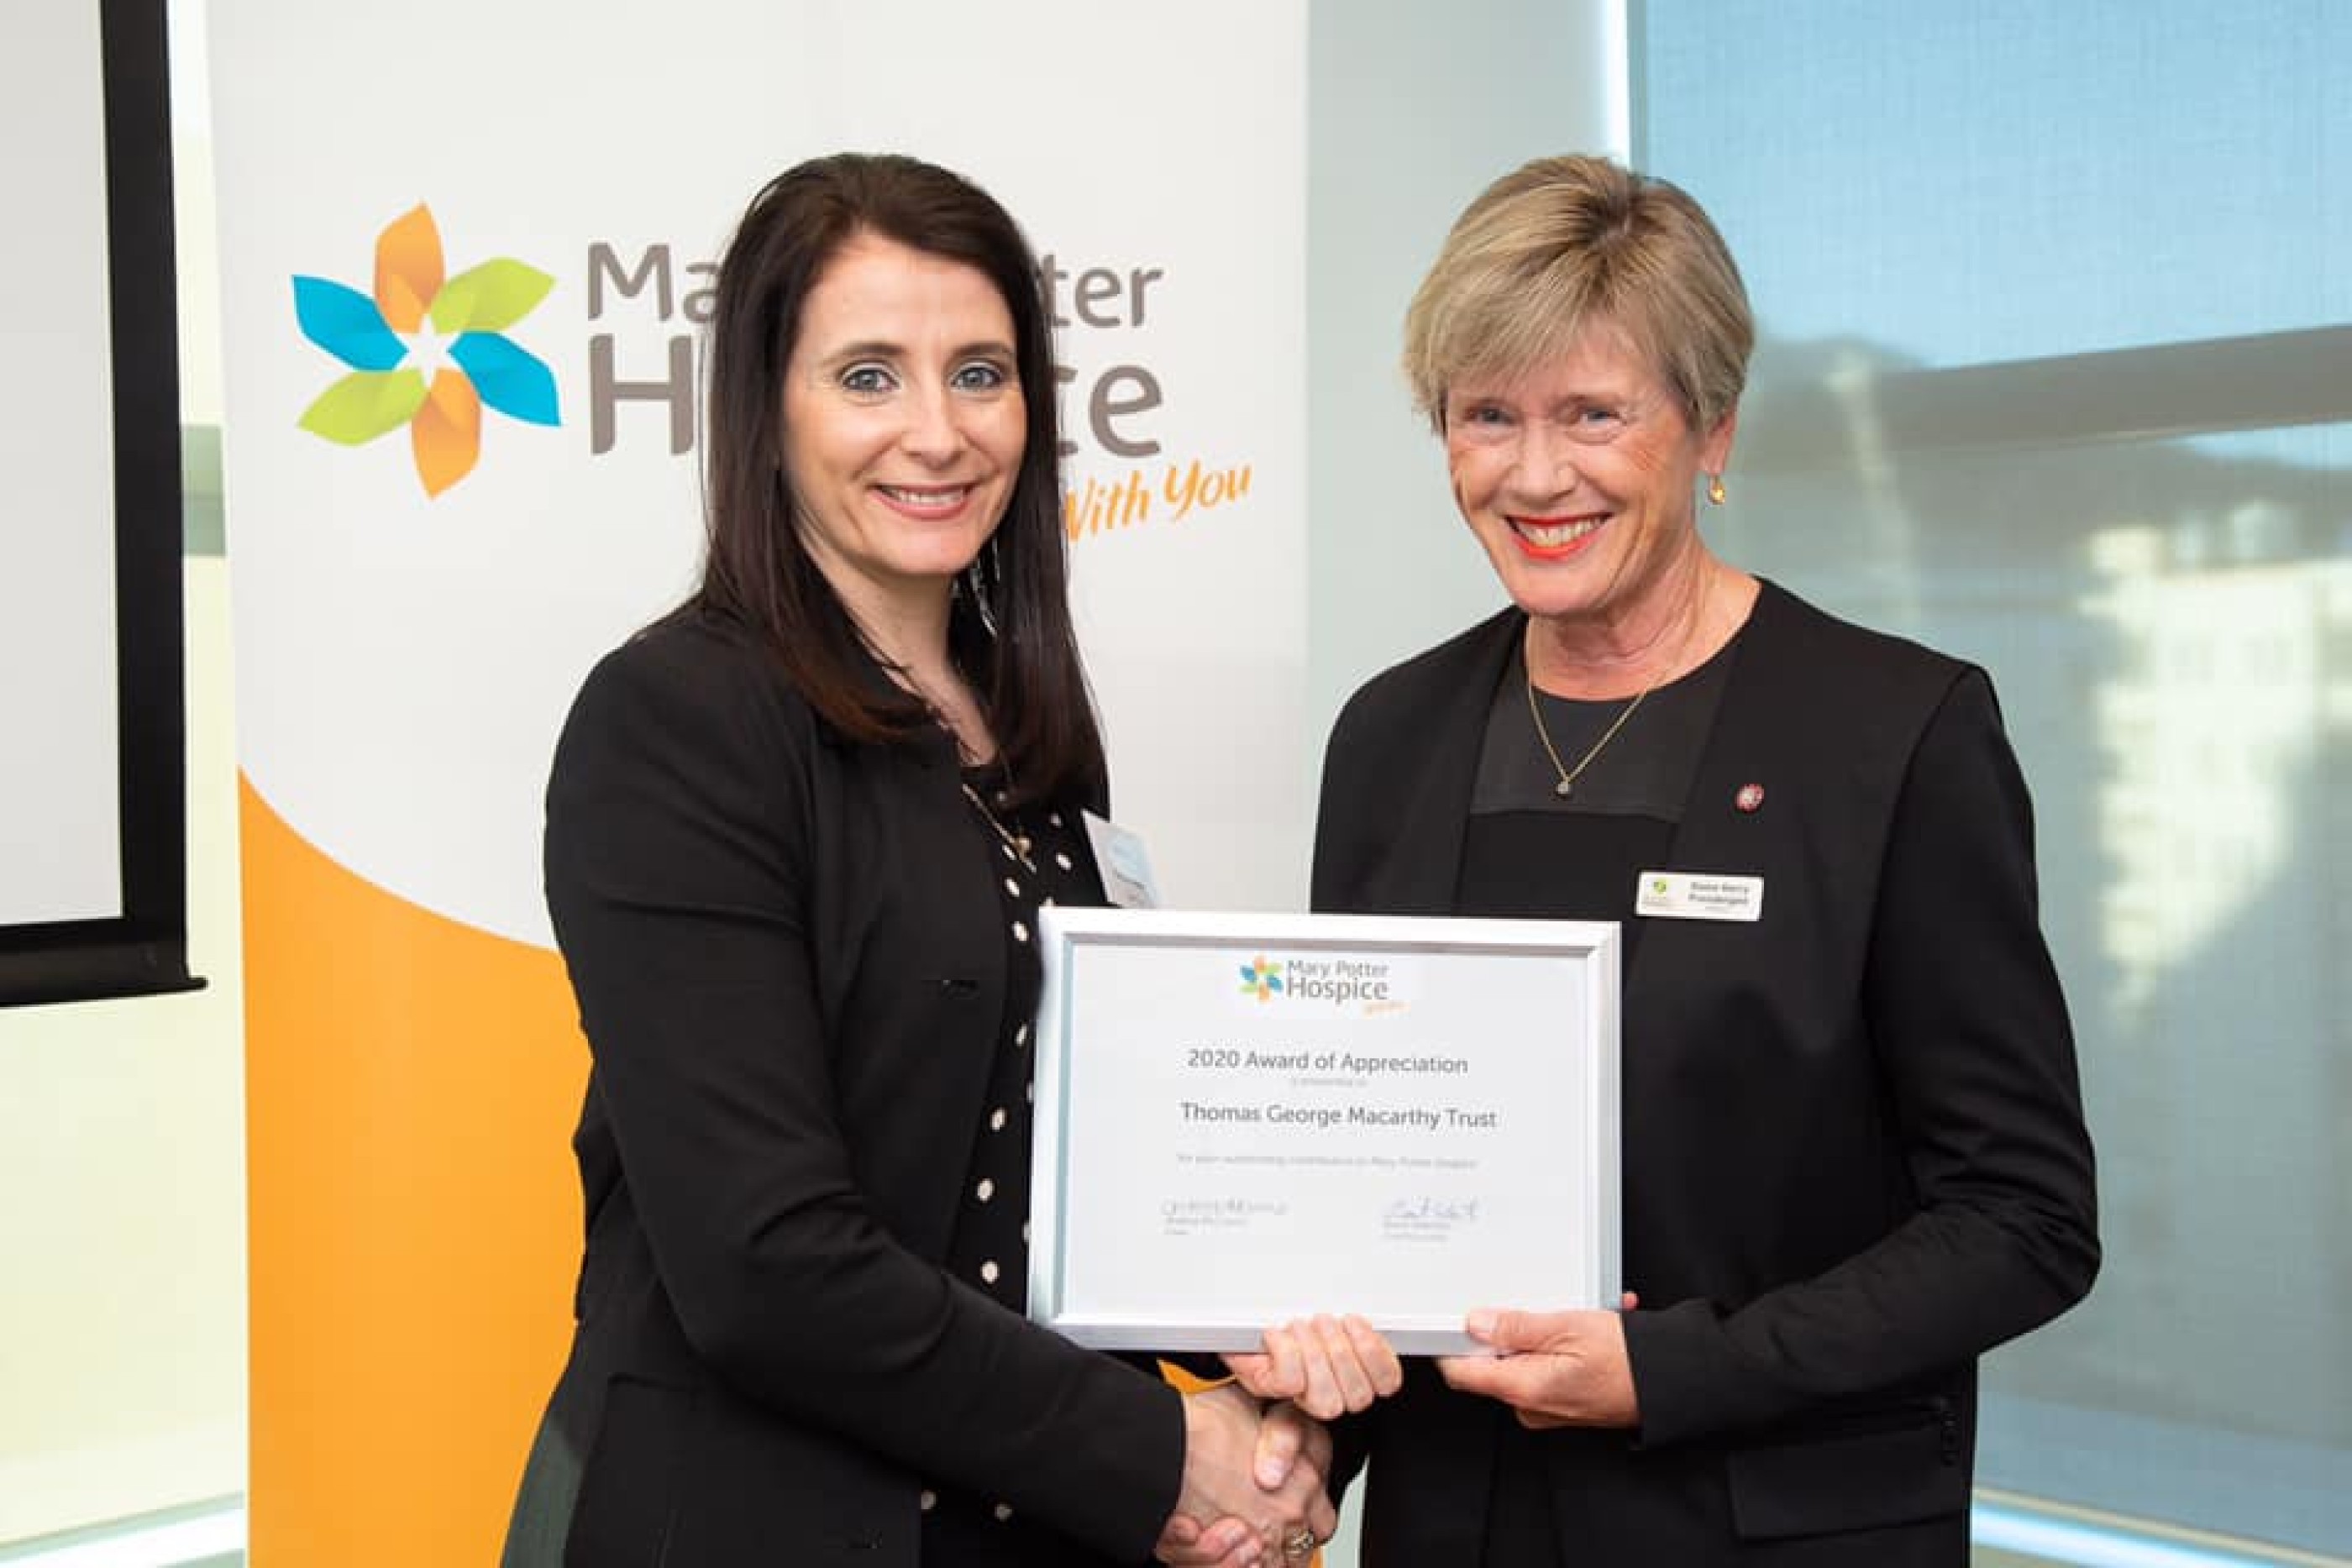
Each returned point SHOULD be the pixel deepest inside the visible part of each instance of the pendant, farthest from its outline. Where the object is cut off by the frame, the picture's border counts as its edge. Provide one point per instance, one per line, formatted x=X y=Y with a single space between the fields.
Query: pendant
x=1563 y=789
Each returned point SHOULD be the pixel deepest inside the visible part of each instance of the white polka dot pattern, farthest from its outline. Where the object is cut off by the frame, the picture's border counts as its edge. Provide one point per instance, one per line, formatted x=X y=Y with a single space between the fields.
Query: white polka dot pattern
x=990 y=1243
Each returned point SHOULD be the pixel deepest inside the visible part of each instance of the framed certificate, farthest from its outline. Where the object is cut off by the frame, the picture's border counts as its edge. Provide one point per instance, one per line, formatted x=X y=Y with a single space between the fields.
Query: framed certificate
x=1242 y=1118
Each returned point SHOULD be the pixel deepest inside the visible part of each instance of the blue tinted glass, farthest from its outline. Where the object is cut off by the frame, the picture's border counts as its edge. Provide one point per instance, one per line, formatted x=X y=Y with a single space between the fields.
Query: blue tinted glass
x=1961 y=182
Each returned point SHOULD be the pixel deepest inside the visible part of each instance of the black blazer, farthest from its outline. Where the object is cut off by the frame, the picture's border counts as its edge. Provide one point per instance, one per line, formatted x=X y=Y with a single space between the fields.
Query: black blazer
x=789 y=961
x=1853 y=1150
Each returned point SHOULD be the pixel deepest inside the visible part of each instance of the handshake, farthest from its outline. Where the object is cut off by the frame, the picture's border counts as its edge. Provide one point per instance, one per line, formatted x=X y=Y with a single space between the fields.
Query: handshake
x=1254 y=1477
x=1254 y=1480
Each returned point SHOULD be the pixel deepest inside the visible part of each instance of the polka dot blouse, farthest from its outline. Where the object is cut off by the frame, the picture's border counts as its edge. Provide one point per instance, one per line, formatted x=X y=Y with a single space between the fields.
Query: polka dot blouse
x=1037 y=860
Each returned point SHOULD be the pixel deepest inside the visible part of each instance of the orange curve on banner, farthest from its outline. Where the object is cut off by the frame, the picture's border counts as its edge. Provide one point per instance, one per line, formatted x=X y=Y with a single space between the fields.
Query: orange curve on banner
x=414 y=1225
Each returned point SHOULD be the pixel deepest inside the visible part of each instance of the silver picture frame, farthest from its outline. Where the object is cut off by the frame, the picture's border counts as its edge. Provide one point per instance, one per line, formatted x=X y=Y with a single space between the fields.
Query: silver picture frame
x=1246 y=1118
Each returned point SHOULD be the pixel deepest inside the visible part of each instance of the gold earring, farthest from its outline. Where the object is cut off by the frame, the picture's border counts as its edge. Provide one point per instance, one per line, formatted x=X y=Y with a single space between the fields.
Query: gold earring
x=1714 y=490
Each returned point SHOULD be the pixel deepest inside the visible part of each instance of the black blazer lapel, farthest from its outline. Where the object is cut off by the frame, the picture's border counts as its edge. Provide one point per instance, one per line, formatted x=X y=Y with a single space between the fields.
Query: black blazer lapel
x=1820 y=732
x=1743 y=747
x=1402 y=815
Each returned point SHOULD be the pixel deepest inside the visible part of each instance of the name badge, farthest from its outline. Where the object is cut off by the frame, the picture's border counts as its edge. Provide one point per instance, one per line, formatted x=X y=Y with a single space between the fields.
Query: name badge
x=1125 y=869
x=1691 y=895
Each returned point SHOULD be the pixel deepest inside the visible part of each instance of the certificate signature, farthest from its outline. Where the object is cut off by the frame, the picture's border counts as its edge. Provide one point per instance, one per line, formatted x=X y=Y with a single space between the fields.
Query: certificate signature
x=1426 y=1219
x=1194 y=1216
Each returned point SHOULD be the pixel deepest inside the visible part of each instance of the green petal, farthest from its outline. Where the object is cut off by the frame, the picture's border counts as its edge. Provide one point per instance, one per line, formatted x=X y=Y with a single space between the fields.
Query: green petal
x=490 y=298
x=364 y=405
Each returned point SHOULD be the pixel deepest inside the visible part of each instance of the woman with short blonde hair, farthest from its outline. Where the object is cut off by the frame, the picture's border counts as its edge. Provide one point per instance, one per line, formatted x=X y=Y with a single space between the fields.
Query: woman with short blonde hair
x=1854 y=1151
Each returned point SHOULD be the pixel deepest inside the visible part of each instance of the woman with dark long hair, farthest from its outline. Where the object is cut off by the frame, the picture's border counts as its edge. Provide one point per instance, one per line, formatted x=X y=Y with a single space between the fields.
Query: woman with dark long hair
x=797 y=835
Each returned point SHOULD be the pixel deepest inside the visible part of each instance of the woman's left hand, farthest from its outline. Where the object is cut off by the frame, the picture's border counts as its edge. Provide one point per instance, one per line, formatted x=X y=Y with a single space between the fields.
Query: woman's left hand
x=1329 y=1367
x=1557 y=1369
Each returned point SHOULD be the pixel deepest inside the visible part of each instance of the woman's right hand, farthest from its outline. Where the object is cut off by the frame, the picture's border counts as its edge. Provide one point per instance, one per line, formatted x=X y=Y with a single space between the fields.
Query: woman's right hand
x=1329 y=1367
x=1250 y=1483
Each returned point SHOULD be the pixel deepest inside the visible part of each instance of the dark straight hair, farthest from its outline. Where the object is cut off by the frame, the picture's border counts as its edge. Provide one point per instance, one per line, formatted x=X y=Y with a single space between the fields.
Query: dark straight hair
x=758 y=571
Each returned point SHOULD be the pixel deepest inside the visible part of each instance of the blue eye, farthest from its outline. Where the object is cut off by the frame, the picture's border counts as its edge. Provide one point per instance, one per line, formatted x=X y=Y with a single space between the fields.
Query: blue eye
x=1483 y=415
x=1595 y=422
x=869 y=380
x=981 y=375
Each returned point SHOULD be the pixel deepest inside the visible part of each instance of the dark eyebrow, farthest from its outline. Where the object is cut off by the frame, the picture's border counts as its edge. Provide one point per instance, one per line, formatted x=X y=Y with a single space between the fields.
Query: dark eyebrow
x=879 y=349
x=871 y=348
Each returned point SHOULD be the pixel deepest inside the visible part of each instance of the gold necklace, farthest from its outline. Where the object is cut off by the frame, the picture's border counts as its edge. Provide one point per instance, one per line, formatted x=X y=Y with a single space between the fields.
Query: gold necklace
x=1568 y=775
x=1017 y=845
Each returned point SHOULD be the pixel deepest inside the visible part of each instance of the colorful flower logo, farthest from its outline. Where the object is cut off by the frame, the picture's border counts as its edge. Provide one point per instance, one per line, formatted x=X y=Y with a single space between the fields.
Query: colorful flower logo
x=426 y=352
x=1261 y=977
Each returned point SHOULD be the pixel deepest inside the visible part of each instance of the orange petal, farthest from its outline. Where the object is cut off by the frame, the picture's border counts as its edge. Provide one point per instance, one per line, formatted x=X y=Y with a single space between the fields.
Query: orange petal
x=447 y=434
x=408 y=269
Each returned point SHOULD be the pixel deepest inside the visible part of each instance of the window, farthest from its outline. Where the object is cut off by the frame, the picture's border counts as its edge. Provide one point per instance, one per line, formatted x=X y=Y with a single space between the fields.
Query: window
x=2055 y=374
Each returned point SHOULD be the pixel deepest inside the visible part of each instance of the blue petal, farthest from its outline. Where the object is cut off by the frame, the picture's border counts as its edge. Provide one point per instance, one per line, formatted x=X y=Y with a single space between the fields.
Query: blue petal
x=346 y=323
x=509 y=379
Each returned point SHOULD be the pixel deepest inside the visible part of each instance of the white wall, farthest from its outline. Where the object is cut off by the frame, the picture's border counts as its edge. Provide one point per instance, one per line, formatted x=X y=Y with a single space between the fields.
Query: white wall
x=122 y=1196
x=1412 y=110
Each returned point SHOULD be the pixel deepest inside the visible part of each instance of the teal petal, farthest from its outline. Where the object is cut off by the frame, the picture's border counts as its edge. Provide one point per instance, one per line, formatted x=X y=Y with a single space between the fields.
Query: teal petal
x=510 y=378
x=346 y=323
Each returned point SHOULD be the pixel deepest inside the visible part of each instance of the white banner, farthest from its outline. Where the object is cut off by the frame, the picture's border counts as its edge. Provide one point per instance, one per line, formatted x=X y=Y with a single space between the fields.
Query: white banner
x=415 y=606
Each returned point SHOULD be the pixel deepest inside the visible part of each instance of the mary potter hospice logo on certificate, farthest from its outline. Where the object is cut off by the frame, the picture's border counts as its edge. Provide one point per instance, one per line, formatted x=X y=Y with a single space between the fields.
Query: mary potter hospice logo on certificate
x=1323 y=982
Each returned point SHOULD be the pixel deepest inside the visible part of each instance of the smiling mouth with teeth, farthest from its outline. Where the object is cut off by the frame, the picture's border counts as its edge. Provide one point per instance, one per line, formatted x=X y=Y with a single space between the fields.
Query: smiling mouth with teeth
x=945 y=497
x=1552 y=535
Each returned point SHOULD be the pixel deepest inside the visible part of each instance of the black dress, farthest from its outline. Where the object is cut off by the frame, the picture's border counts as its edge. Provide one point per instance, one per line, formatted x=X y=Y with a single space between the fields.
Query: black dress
x=1529 y=853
